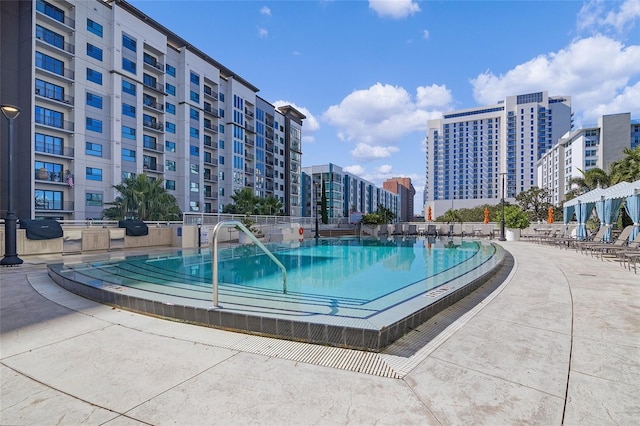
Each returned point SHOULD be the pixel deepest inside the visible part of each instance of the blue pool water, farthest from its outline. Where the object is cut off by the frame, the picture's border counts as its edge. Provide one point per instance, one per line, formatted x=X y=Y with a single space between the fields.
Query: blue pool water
x=343 y=284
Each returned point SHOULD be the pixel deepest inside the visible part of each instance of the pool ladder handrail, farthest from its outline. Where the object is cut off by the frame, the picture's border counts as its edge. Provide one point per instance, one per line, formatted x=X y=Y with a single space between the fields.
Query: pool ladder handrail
x=214 y=255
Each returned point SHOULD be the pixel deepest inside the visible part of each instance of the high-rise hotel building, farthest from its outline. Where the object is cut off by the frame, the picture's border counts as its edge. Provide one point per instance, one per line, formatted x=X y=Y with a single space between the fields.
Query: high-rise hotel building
x=106 y=92
x=468 y=151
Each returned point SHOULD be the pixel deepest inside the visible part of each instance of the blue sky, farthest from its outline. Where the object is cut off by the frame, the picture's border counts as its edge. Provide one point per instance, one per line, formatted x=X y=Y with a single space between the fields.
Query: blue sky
x=369 y=74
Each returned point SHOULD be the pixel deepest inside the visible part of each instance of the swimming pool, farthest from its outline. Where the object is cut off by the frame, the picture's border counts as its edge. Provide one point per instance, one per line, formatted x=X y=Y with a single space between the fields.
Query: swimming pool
x=358 y=293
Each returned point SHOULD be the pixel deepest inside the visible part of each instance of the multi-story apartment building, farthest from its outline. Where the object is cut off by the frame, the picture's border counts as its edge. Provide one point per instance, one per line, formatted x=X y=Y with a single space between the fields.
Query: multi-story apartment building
x=402 y=187
x=106 y=92
x=597 y=145
x=345 y=192
x=470 y=152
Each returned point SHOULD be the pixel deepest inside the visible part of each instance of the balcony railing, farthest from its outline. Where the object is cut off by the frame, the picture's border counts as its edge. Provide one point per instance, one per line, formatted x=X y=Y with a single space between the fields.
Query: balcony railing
x=154 y=146
x=212 y=161
x=67 y=47
x=248 y=155
x=248 y=112
x=153 y=63
x=210 y=127
x=210 y=178
x=153 y=104
x=249 y=141
x=153 y=168
x=158 y=87
x=54 y=205
x=64 y=19
x=54 y=122
x=63 y=72
x=211 y=93
x=210 y=144
x=248 y=169
x=155 y=125
x=45 y=176
x=249 y=128
x=212 y=111
x=49 y=148
x=53 y=95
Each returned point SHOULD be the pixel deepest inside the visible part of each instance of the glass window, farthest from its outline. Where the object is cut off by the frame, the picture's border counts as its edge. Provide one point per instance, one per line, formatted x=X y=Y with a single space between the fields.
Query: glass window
x=171 y=108
x=94 y=125
x=94 y=52
x=128 y=87
x=94 y=173
x=94 y=76
x=170 y=165
x=49 y=90
x=128 y=65
x=194 y=150
x=48 y=200
x=194 y=96
x=94 y=100
x=128 y=132
x=170 y=127
x=128 y=42
x=194 y=186
x=195 y=169
x=94 y=149
x=194 y=133
x=170 y=184
x=221 y=159
x=129 y=110
x=194 y=114
x=128 y=155
x=50 y=10
x=94 y=27
x=48 y=63
x=221 y=97
x=149 y=142
x=170 y=70
x=195 y=78
x=49 y=144
x=50 y=37
x=170 y=88
x=93 y=199
x=170 y=146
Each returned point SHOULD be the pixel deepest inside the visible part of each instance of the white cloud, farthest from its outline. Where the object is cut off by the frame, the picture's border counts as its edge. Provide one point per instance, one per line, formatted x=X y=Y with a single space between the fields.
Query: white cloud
x=385 y=169
x=627 y=101
x=433 y=96
x=355 y=169
x=309 y=124
x=371 y=152
x=265 y=11
x=395 y=9
x=426 y=34
x=598 y=15
x=593 y=71
x=380 y=115
x=262 y=32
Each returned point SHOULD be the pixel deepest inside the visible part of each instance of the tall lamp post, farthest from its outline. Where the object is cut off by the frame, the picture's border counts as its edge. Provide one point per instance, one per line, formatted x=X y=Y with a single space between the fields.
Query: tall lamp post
x=502 y=238
x=10 y=254
x=315 y=205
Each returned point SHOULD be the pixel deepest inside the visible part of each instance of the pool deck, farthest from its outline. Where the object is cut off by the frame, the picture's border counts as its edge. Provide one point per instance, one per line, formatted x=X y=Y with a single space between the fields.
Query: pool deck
x=558 y=342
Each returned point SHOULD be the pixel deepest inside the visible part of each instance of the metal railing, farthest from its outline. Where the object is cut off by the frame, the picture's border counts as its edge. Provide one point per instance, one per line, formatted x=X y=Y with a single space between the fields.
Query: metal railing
x=214 y=254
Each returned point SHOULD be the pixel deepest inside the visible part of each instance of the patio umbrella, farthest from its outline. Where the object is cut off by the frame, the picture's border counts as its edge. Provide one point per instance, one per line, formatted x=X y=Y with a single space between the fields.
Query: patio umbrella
x=550 y=216
x=486 y=215
x=429 y=216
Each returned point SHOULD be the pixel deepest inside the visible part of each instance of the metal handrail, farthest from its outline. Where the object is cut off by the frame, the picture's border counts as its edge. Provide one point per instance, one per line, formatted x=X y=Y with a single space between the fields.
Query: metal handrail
x=214 y=255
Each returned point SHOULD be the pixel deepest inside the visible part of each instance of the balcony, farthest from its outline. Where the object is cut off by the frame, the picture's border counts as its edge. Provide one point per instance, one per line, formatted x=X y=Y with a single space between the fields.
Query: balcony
x=54 y=70
x=248 y=113
x=269 y=134
x=249 y=141
x=54 y=205
x=45 y=120
x=154 y=86
x=46 y=42
x=153 y=104
x=211 y=194
x=211 y=161
x=249 y=128
x=208 y=177
x=210 y=127
x=248 y=169
x=153 y=125
x=54 y=96
x=42 y=175
x=210 y=93
x=208 y=143
x=153 y=146
x=212 y=111
x=152 y=63
x=155 y=168
x=249 y=156
x=57 y=150
x=60 y=21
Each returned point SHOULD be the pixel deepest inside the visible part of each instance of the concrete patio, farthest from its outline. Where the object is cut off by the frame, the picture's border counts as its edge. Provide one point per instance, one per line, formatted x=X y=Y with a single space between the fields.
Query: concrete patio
x=557 y=342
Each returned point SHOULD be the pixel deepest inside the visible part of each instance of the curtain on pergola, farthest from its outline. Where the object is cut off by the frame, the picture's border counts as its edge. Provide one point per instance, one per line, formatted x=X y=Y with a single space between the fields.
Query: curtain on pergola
x=632 y=206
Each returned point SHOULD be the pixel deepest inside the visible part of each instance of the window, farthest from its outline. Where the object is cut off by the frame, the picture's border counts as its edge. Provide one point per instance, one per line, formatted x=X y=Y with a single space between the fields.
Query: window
x=194 y=133
x=170 y=146
x=93 y=124
x=94 y=100
x=194 y=186
x=195 y=78
x=221 y=144
x=194 y=114
x=93 y=199
x=94 y=149
x=128 y=42
x=94 y=27
x=170 y=88
x=128 y=132
x=94 y=173
x=129 y=65
x=195 y=169
x=128 y=87
x=221 y=159
x=128 y=175
x=94 y=52
x=221 y=97
x=194 y=150
x=50 y=37
x=94 y=76
x=149 y=142
x=170 y=165
x=49 y=90
x=194 y=206
x=221 y=128
x=170 y=70
x=170 y=127
x=149 y=80
x=48 y=200
x=194 y=96
x=129 y=110
x=170 y=184
x=171 y=108
x=50 y=64
x=128 y=155
x=49 y=144
x=50 y=10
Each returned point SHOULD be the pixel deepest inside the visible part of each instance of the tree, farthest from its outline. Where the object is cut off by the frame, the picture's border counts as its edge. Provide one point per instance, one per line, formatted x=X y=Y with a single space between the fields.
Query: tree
x=627 y=168
x=244 y=202
x=590 y=180
x=386 y=214
x=535 y=201
x=323 y=204
x=514 y=217
x=142 y=198
x=269 y=205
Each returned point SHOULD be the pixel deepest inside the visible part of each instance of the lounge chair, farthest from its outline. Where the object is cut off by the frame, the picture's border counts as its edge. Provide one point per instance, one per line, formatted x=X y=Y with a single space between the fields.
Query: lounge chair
x=594 y=238
x=621 y=241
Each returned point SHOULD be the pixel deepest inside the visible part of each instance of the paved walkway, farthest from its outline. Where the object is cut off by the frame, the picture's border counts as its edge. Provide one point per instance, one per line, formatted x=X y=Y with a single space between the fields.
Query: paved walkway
x=557 y=343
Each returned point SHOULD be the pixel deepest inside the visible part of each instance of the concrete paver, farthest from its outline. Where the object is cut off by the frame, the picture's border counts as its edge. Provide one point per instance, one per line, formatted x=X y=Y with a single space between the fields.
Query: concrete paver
x=562 y=324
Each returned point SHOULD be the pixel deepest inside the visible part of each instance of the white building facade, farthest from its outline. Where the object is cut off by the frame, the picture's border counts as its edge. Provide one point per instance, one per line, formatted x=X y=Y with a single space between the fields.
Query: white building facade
x=470 y=152
x=106 y=93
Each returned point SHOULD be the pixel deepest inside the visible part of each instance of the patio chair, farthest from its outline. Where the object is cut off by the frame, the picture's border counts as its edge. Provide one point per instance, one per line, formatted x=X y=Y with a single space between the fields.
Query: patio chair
x=621 y=241
x=594 y=238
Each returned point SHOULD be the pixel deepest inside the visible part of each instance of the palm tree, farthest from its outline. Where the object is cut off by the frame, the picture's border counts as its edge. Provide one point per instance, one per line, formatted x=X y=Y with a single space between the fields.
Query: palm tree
x=270 y=205
x=591 y=179
x=144 y=199
x=627 y=168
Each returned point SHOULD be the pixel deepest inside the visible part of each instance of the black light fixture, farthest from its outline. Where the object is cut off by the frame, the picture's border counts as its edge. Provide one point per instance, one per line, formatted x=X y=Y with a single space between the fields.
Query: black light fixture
x=10 y=253
x=502 y=238
x=315 y=206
